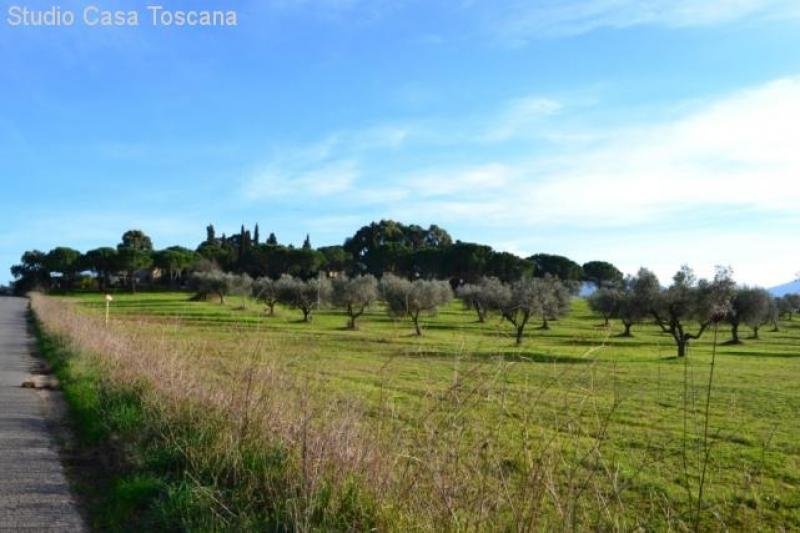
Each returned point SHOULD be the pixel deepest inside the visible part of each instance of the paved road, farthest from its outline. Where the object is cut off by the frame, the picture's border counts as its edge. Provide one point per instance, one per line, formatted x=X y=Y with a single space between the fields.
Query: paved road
x=34 y=493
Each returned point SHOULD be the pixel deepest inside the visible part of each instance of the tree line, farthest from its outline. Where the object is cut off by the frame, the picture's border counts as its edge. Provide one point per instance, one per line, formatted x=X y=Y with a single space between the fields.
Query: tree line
x=381 y=247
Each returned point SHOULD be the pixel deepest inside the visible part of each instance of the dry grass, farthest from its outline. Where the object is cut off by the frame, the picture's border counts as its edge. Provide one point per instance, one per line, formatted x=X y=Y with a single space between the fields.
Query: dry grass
x=266 y=409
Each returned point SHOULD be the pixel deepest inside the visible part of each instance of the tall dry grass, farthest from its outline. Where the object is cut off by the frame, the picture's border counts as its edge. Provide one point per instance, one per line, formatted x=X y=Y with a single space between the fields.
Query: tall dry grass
x=347 y=465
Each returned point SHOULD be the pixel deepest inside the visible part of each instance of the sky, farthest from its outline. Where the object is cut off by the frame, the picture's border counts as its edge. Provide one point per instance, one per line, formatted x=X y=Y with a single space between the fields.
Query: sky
x=643 y=132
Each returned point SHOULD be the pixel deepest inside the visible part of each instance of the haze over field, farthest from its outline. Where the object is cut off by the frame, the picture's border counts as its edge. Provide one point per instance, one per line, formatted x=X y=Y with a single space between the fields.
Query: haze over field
x=654 y=136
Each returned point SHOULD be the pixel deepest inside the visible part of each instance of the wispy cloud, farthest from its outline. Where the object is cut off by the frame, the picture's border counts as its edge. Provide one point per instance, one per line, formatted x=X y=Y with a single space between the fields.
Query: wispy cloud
x=709 y=156
x=439 y=182
x=712 y=157
x=521 y=116
x=328 y=167
x=716 y=161
x=555 y=18
x=315 y=181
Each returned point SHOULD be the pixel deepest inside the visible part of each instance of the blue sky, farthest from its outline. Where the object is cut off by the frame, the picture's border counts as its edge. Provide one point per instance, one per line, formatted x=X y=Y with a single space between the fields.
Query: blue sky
x=650 y=133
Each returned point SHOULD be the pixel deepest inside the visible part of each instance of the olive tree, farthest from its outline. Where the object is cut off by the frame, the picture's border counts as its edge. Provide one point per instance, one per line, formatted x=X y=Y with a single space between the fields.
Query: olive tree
x=303 y=295
x=483 y=296
x=521 y=301
x=762 y=311
x=774 y=313
x=213 y=283
x=265 y=290
x=636 y=298
x=406 y=298
x=605 y=302
x=689 y=301
x=750 y=306
x=788 y=304
x=355 y=295
x=547 y=298
x=556 y=299
x=794 y=302
x=241 y=285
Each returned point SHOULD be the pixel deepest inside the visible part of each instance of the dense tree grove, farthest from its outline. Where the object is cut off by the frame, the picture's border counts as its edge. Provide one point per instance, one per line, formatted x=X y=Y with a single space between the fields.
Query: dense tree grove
x=414 y=270
x=556 y=265
x=602 y=274
x=409 y=251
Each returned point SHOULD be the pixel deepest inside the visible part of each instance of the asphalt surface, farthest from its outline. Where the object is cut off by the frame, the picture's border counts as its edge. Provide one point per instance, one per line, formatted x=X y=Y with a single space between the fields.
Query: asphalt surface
x=34 y=493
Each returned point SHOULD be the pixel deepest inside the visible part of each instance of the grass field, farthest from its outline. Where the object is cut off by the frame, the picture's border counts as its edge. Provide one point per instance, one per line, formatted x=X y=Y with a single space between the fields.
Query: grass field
x=576 y=428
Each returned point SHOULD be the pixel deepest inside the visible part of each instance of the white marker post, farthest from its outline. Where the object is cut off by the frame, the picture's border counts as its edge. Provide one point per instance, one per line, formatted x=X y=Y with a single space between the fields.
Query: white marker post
x=109 y=299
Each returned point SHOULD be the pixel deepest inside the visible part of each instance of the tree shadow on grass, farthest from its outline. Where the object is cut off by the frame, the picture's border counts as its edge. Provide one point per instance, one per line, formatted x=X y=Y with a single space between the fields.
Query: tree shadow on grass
x=614 y=340
x=780 y=355
x=731 y=342
x=509 y=355
x=543 y=358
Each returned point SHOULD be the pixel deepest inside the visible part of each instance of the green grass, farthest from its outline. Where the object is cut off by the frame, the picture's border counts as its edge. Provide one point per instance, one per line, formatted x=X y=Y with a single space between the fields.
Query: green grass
x=626 y=414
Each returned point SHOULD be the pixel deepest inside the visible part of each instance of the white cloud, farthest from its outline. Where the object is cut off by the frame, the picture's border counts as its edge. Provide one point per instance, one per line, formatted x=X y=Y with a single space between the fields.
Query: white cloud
x=531 y=20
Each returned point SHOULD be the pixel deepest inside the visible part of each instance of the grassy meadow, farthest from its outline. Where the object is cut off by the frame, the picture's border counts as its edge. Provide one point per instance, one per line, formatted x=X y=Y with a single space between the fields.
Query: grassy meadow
x=458 y=429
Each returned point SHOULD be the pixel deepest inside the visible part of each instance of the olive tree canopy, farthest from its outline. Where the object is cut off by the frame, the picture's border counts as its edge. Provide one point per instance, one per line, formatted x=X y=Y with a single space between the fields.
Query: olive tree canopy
x=483 y=296
x=406 y=298
x=219 y=284
x=689 y=301
x=265 y=290
x=605 y=301
x=354 y=295
x=303 y=295
x=750 y=306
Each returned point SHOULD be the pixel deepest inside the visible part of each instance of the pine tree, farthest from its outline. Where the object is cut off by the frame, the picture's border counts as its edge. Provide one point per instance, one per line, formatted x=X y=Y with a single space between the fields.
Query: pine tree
x=256 y=236
x=307 y=243
x=272 y=240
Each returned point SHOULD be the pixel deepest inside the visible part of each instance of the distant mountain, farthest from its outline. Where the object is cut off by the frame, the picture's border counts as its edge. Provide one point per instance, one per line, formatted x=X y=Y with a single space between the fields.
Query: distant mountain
x=786 y=288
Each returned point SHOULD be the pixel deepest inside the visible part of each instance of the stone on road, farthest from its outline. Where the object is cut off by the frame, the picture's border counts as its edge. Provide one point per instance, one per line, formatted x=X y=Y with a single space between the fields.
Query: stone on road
x=34 y=492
